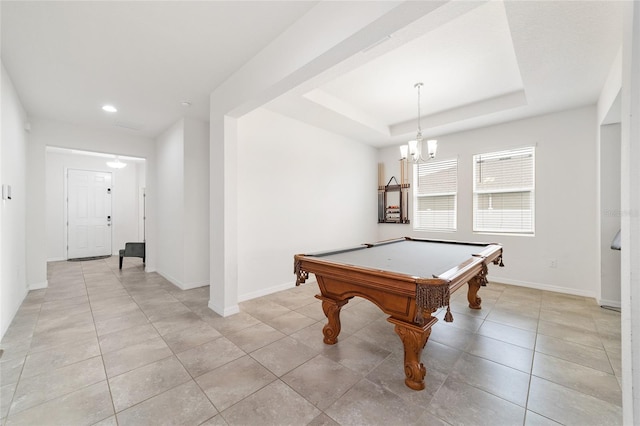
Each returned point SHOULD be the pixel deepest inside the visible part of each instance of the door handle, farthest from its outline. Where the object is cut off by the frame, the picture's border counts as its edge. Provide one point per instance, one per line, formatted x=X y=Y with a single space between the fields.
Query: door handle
x=108 y=218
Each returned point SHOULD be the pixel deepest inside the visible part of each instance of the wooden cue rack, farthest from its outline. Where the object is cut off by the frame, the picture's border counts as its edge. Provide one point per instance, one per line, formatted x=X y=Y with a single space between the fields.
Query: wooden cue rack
x=398 y=212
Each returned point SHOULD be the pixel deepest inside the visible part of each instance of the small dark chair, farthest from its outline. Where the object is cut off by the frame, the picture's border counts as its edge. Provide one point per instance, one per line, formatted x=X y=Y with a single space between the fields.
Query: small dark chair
x=132 y=250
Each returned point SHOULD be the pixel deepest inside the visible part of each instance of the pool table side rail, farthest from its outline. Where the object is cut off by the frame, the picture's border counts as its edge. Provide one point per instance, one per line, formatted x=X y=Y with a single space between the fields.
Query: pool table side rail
x=371 y=284
x=461 y=274
x=370 y=277
x=393 y=293
x=427 y=240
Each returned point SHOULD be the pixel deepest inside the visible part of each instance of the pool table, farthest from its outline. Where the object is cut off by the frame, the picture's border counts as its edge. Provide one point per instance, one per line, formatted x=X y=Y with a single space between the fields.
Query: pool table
x=407 y=278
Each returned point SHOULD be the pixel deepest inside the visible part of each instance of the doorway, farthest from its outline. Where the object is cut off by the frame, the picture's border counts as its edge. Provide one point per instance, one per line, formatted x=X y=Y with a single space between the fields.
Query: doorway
x=88 y=214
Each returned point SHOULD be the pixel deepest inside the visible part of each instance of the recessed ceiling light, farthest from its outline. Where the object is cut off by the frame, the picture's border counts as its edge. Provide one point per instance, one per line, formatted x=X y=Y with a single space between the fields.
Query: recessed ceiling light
x=109 y=108
x=117 y=164
x=185 y=104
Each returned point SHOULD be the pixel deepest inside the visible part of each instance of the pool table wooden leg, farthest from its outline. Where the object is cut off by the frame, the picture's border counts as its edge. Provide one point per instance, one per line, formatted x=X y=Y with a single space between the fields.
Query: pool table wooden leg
x=414 y=338
x=475 y=302
x=331 y=310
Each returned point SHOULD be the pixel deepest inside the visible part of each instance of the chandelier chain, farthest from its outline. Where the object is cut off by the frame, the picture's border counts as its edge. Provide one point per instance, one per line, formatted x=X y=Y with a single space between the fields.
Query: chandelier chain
x=419 y=135
x=413 y=149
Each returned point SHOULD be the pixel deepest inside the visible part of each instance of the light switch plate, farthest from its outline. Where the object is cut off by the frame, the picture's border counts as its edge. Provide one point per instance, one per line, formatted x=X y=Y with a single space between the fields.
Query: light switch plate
x=6 y=192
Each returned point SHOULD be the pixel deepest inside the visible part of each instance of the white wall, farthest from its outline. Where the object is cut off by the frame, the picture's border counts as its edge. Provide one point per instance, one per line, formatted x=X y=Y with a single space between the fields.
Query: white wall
x=300 y=189
x=566 y=225
x=630 y=219
x=13 y=284
x=610 y=179
x=125 y=203
x=610 y=93
x=183 y=203
x=223 y=211
x=196 y=198
x=170 y=158
x=610 y=175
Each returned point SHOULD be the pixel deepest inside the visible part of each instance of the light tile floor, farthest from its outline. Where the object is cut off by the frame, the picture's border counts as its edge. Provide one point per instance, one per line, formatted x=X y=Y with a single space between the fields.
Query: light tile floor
x=103 y=346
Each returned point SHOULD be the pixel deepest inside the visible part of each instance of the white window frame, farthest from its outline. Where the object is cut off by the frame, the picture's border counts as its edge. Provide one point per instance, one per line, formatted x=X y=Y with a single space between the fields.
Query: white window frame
x=431 y=189
x=517 y=178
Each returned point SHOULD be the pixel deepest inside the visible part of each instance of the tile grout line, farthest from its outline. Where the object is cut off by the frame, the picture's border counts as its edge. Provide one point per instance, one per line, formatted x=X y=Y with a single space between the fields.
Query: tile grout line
x=533 y=357
x=106 y=377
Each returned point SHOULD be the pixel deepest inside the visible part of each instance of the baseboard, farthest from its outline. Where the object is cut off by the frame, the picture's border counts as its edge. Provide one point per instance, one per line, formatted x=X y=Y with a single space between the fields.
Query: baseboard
x=220 y=310
x=189 y=286
x=5 y=321
x=611 y=303
x=265 y=291
x=57 y=259
x=168 y=278
x=180 y=284
x=545 y=287
x=39 y=286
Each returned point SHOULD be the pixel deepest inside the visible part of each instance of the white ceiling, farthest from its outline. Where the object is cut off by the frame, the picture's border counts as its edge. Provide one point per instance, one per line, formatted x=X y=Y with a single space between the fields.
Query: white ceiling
x=467 y=59
x=487 y=63
x=68 y=58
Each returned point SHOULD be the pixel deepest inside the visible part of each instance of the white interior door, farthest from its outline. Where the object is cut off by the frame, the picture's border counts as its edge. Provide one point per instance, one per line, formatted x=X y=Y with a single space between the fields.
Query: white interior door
x=88 y=214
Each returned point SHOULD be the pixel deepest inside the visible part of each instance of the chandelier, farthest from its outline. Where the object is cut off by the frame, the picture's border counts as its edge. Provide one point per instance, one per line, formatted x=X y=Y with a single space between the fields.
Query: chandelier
x=413 y=149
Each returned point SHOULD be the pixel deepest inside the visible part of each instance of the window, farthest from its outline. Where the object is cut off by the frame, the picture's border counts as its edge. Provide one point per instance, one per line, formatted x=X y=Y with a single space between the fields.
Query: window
x=503 y=191
x=436 y=186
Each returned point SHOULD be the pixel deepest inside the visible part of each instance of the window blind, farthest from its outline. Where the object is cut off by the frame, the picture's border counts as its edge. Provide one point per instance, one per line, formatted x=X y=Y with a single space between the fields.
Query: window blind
x=435 y=192
x=503 y=191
